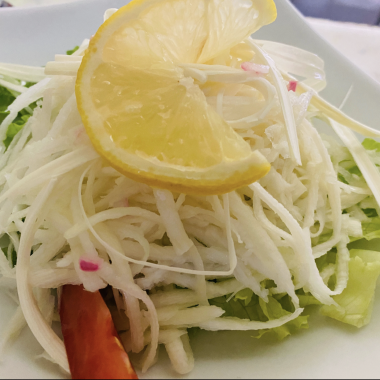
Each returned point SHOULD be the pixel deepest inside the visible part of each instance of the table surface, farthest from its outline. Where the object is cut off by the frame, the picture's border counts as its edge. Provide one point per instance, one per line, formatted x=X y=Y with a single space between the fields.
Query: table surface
x=360 y=43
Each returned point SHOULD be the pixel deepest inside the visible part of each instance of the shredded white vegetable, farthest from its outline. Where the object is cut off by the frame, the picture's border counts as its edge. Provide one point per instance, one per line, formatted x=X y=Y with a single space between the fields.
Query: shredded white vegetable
x=168 y=256
x=367 y=167
x=284 y=99
x=21 y=72
x=180 y=354
x=237 y=324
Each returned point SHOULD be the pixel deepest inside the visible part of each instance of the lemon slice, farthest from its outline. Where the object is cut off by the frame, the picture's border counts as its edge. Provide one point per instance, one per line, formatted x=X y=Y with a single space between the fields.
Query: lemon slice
x=145 y=117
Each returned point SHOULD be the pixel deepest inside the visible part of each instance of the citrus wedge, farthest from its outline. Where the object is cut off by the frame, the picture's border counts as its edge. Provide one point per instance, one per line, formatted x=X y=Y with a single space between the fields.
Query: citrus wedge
x=145 y=117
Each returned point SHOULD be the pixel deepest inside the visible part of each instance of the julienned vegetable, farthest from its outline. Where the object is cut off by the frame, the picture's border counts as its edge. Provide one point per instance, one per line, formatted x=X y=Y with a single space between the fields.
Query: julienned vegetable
x=253 y=259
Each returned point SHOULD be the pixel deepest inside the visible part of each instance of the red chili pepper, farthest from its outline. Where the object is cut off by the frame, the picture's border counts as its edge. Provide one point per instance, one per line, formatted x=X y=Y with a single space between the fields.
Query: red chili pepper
x=92 y=344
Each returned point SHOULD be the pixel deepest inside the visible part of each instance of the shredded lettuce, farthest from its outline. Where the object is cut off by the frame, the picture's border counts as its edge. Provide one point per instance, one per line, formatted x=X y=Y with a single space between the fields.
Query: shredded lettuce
x=370 y=212
x=307 y=300
x=350 y=174
x=368 y=144
x=3 y=115
x=348 y=170
x=11 y=255
x=244 y=305
x=329 y=258
x=15 y=128
x=371 y=229
x=247 y=305
x=72 y=51
x=371 y=144
x=6 y=99
x=274 y=309
x=356 y=302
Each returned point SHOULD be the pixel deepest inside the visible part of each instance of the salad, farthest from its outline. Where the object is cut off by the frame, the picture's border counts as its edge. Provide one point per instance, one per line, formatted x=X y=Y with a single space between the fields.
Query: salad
x=151 y=184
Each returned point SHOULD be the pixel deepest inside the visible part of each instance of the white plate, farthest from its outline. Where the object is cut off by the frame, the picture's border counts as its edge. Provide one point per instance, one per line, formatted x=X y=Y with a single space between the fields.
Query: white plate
x=37 y=3
x=328 y=349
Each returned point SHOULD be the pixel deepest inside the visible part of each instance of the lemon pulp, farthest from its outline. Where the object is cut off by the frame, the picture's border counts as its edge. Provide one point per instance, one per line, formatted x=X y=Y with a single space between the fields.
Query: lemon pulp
x=145 y=117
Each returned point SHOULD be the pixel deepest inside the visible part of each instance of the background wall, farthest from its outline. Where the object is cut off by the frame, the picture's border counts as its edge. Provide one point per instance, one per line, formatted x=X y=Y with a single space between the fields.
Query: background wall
x=359 y=42
x=359 y=11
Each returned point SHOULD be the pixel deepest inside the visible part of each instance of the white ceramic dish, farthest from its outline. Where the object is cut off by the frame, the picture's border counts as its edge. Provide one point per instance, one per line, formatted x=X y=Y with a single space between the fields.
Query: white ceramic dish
x=328 y=349
x=33 y=3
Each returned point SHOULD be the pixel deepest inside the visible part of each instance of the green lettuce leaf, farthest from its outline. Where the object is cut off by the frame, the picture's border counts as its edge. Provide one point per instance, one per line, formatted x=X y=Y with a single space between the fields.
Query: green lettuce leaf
x=370 y=212
x=13 y=257
x=3 y=115
x=307 y=300
x=355 y=170
x=323 y=261
x=15 y=128
x=72 y=51
x=289 y=328
x=274 y=310
x=6 y=99
x=371 y=144
x=371 y=230
x=247 y=305
x=356 y=302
